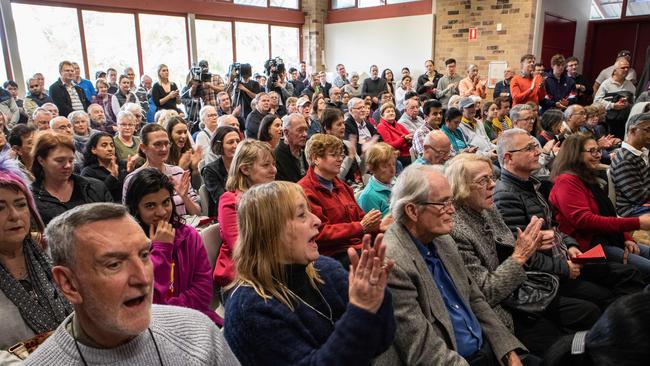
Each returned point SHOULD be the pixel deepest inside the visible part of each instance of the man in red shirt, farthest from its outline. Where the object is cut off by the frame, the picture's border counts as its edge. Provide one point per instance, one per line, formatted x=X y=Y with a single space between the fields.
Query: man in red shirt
x=527 y=87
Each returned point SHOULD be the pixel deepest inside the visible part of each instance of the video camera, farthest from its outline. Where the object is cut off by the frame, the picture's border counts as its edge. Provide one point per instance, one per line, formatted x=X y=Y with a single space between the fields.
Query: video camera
x=199 y=74
x=274 y=67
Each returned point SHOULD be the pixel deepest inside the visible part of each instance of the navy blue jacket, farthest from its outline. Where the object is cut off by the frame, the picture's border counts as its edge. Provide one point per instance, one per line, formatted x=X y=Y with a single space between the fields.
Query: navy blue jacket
x=557 y=90
x=266 y=332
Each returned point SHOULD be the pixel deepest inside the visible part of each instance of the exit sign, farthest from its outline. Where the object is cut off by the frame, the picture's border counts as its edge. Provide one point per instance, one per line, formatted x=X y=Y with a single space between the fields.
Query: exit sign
x=473 y=34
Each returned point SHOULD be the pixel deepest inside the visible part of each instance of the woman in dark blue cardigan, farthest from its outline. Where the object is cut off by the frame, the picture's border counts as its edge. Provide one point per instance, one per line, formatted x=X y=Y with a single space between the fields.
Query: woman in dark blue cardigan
x=290 y=306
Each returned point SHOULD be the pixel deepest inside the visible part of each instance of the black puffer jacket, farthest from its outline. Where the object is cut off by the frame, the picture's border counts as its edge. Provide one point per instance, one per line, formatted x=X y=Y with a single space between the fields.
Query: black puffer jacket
x=86 y=190
x=518 y=201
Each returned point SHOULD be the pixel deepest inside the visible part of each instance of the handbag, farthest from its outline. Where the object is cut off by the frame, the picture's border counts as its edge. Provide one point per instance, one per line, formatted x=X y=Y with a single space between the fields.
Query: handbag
x=535 y=294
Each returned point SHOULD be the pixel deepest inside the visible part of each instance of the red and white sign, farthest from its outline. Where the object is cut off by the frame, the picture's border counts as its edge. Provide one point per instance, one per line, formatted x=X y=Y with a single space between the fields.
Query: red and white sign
x=473 y=34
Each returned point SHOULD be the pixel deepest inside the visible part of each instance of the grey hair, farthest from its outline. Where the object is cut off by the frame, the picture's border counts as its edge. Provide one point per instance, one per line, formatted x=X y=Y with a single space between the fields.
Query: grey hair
x=515 y=111
x=131 y=107
x=286 y=123
x=48 y=104
x=470 y=67
x=76 y=114
x=39 y=110
x=60 y=232
x=354 y=101
x=223 y=119
x=505 y=142
x=56 y=119
x=125 y=115
x=570 y=110
x=409 y=189
x=204 y=111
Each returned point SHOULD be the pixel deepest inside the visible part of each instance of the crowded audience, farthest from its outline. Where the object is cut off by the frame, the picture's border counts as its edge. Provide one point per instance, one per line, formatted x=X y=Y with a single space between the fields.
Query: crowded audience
x=335 y=218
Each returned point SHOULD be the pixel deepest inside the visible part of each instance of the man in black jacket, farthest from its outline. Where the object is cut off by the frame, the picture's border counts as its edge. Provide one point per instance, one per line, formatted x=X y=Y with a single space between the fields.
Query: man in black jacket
x=518 y=198
x=583 y=86
x=262 y=108
x=289 y=154
x=356 y=125
x=67 y=96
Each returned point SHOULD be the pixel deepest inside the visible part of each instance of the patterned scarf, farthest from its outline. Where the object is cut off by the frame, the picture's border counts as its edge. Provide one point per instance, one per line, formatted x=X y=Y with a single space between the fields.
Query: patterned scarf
x=44 y=308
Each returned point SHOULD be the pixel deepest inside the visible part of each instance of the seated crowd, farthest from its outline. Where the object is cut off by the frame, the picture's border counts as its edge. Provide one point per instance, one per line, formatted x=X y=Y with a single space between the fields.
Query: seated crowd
x=340 y=222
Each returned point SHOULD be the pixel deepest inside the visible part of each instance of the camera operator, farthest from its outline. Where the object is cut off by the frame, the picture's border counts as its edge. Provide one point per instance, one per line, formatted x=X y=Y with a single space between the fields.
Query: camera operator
x=247 y=88
x=203 y=87
x=277 y=80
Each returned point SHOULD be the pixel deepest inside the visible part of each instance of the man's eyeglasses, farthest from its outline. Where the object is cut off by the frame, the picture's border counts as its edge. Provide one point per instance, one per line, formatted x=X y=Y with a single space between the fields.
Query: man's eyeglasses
x=439 y=152
x=528 y=148
x=529 y=119
x=442 y=206
x=594 y=151
x=127 y=125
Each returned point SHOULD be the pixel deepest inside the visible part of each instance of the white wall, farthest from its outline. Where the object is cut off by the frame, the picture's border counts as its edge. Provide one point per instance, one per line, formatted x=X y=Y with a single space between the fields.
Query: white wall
x=577 y=10
x=390 y=43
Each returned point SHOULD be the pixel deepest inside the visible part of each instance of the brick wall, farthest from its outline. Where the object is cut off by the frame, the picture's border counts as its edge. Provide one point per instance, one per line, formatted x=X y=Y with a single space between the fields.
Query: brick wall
x=313 y=32
x=455 y=17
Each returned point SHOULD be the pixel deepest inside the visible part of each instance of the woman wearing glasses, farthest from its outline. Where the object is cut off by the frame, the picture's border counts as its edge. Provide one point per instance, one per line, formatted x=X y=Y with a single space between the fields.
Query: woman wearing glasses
x=332 y=201
x=496 y=259
x=583 y=209
x=126 y=144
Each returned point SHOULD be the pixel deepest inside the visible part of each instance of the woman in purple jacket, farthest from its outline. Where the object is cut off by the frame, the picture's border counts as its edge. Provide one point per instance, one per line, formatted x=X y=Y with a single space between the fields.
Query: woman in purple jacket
x=182 y=273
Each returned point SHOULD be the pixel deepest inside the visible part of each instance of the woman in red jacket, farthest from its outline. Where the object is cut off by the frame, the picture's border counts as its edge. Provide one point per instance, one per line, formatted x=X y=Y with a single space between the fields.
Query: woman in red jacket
x=253 y=163
x=583 y=209
x=394 y=134
x=343 y=222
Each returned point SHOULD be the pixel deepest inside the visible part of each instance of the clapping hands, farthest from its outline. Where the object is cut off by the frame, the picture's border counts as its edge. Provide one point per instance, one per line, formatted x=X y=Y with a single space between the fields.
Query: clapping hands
x=369 y=274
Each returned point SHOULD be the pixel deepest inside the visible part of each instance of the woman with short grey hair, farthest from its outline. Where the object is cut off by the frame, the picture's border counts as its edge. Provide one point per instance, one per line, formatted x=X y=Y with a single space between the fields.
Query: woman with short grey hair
x=498 y=261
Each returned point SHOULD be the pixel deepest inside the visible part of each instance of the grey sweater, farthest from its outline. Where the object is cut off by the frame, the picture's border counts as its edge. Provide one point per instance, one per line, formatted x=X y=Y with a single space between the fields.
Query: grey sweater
x=477 y=236
x=184 y=337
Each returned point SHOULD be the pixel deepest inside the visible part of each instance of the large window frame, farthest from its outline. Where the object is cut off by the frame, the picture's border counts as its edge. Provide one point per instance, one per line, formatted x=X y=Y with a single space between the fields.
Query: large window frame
x=198 y=11
x=623 y=11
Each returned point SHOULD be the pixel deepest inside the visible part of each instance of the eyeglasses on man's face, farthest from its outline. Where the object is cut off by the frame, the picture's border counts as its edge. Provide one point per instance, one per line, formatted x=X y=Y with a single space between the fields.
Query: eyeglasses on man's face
x=528 y=148
x=485 y=181
x=442 y=206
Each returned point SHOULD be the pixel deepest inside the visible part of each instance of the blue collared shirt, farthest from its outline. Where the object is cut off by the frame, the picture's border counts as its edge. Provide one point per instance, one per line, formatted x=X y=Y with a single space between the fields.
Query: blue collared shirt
x=467 y=329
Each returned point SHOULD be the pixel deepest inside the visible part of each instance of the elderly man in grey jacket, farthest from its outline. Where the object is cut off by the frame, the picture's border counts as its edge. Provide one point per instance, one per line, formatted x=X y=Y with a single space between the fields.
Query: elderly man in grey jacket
x=442 y=316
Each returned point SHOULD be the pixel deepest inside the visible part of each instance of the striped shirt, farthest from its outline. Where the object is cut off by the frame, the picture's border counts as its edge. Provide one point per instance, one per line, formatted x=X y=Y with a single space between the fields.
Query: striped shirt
x=631 y=176
x=74 y=97
x=174 y=173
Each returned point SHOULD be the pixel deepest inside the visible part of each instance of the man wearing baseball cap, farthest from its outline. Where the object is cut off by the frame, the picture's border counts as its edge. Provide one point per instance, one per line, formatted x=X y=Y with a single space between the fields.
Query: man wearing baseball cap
x=304 y=108
x=473 y=130
x=607 y=72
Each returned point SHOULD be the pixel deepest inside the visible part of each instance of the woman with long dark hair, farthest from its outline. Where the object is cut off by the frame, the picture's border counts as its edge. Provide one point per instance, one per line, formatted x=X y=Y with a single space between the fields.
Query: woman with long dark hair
x=101 y=163
x=224 y=143
x=583 y=209
x=182 y=273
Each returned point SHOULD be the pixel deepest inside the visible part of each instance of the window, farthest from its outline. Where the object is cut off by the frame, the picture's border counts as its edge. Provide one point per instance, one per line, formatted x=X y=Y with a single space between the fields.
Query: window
x=290 y=4
x=606 y=9
x=252 y=44
x=3 y=68
x=214 y=44
x=164 y=41
x=46 y=36
x=369 y=3
x=261 y=3
x=637 y=7
x=110 y=41
x=342 y=4
x=285 y=43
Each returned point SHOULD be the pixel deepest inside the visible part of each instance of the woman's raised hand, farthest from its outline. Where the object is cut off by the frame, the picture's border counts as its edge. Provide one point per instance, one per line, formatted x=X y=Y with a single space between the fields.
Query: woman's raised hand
x=368 y=274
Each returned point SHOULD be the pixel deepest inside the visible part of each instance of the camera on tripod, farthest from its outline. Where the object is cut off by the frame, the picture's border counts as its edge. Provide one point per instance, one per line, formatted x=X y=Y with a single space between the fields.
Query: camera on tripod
x=274 y=67
x=200 y=74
